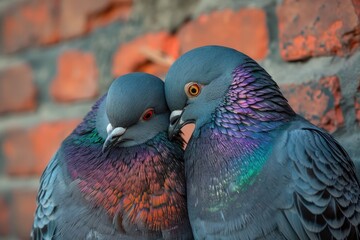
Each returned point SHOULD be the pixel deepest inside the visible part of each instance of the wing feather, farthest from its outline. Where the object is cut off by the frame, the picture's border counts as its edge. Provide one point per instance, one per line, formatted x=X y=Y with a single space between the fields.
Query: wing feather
x=325 y=188
x=44 y=226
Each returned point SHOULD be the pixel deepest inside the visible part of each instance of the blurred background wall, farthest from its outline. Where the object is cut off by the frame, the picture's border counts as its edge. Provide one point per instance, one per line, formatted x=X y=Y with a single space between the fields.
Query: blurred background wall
x=58 y=56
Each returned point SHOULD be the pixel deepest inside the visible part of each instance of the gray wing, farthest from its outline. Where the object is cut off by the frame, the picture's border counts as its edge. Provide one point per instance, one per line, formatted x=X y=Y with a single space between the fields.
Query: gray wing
x=44 y=226
x=325 y=200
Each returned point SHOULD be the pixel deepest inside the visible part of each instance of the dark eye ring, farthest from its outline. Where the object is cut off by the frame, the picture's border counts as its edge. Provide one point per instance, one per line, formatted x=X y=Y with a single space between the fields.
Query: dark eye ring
x=148 y=114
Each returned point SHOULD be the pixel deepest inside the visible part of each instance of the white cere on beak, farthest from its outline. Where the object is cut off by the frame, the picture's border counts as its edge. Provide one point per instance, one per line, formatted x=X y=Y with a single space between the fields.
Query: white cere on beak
x=118 y=131
x=174 y=116
x=114 y=136
x=109 y=128
x=175 y=113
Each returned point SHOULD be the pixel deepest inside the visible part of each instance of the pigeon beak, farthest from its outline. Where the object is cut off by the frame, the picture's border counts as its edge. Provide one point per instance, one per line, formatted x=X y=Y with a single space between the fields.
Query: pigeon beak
x=114 y=137
x=176 y=123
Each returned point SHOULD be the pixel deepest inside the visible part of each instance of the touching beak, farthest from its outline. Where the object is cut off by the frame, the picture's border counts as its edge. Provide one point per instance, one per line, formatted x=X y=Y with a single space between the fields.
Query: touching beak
x=114 y=137
x=176 y=123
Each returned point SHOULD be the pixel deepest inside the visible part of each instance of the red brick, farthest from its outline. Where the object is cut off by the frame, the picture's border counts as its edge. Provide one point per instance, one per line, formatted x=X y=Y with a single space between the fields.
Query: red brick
x=17 y=89
x=187 y=131
x=316 y=28
x=19 y=157
x=27 y=152
x=244 y=30
x=357 y=105
x=116 y=10
x=4 y=216
x=28 y=24
x=356 y=4
x=78 y=17
x=152 y=68
x=317 y=101
x=357 y=108
x=77 y=77
x=37 y=22
x=144 y=54
x=23 y=209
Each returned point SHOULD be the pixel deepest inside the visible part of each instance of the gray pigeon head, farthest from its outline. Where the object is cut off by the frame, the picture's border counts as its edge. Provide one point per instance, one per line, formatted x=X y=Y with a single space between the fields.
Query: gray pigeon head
x=134 y=111
x=197 y=82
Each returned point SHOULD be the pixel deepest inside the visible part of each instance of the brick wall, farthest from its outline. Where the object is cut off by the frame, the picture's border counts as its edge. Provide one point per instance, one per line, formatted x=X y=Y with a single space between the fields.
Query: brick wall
x=58 y=56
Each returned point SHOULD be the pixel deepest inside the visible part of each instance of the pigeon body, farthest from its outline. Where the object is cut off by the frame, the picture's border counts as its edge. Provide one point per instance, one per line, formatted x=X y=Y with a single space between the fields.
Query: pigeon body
x=117 y=176
x=254 y=168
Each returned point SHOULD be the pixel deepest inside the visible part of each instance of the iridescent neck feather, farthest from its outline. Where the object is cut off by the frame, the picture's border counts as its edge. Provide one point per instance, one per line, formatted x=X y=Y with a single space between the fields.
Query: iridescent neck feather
x=237 y=141
x=252 y=105
x=141 y=185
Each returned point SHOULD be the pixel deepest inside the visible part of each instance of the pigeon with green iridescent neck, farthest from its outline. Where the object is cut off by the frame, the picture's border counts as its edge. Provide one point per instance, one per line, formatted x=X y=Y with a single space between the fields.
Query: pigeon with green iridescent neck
x=117 y=175
x=254 y=168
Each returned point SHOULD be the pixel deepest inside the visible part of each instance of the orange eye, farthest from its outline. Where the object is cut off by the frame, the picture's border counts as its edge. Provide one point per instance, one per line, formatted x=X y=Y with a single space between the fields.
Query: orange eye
x=192 y=89
x=148 y=114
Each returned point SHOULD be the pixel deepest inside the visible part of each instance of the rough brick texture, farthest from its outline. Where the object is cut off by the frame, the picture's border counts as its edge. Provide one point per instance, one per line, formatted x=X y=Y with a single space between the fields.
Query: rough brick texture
x=356 y=4
x=77 y=77
x=317 y=101
x=152 y=53
x=28 y=151
x=244 y=30
x=187 y=131
x=78 y=17
x=17 y=89
x=29 y=24
x=315 y=28
x=37 y=22
x=57 y=56
x=23 y=203
x=4 y=216
x=357 y=104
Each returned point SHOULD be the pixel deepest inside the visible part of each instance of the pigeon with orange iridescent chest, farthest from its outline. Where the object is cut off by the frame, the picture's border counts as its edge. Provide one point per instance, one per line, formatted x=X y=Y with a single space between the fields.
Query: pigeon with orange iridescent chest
x=117 y=175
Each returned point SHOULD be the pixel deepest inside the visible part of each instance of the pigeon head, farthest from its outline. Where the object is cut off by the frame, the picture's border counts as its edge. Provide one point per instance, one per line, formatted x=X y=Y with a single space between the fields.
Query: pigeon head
x=197 y=82
x=134 y=111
